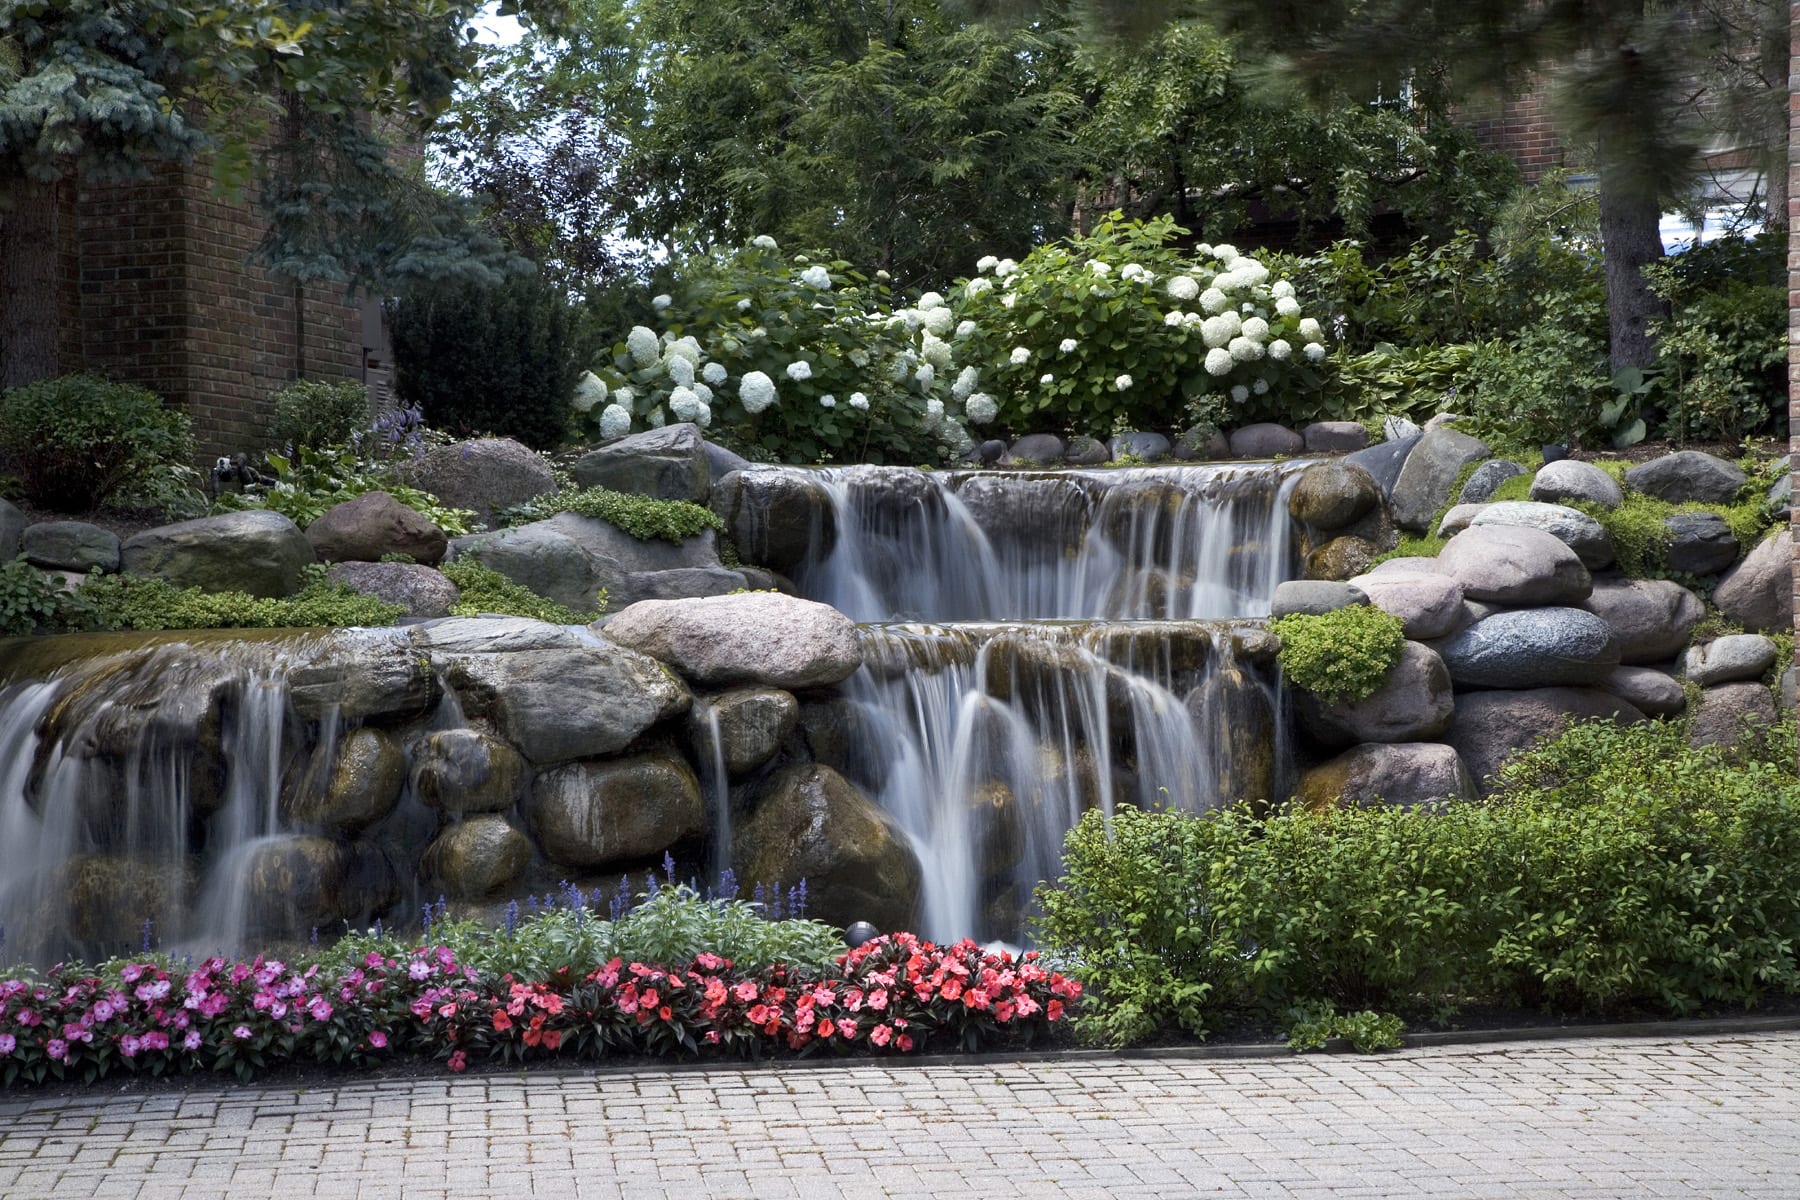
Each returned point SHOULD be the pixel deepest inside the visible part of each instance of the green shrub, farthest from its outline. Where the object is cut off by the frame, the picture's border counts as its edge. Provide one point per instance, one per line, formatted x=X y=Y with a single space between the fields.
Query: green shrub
x=1548 y=388
x=643 y=517
x=1415 y=382
x=80 y=441
x=1723 y=356
x=1341 y=655
x=485 y=590
x=314 y=412
x=135 y=602
x=29 y=602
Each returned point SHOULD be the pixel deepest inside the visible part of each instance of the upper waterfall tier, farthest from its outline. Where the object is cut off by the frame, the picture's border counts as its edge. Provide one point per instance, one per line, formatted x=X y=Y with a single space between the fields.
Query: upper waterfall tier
x=1172 y=542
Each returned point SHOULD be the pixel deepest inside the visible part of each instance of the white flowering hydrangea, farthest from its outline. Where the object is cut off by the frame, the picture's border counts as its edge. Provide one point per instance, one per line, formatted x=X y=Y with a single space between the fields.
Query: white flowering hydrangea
x=615 y=421
x=1005 y=267
x=714 y=373
x=1279 y=349
x=939 y=321
x=756 y=391
x=986 y=263
x=967 y=380
x=1244 y=349
x=1122 y=383
x=1020 y=356
x=681 y=371
x=1046 y=379
x=1183 y=288
x=1256 y=329
x=1219 y=361
x=1310 y=331
x=590 y=390
x=685 y=403
x=828 y=401
x=1134 y=271
x=799 y=370
x=981 y=408
x=1068 y=345
x=1173 y=317
x=859 y=401
x=661 y=302
x=934 y=410
x=1259 y=387
x=929 y=301
x=1287 y=306
x=624 y=396
x=1282 y=290
x=979 y=286
x=1008 y=300
x=965 y=330
x=1219 y=330
x=1240 y=393
x=744 y=304
x=655 y=418
x=934 y=350
x=643 y=347
x=1213 y=300
x=1315 y=351
x=686 y=347
x=1225 y=254
x=926 y=375
x=816 y=277
x=1099 y=268
x=763 y=241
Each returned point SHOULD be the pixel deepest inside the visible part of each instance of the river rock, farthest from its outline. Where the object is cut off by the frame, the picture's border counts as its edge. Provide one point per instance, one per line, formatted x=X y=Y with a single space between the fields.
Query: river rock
x=1729 y=659
x=466 y=771
x=569 y=558
x=1203 y=443
x=1333 y=495
x=1413 y=704
x=1040 y=510
x=484 y=474
x=1489 y=727
x=1653 y=693
x=294 y=884
x=1687 y=475
x=1384 y=460
x=1084 y=451
x=493 y=635
x=813 y=824
x=1036 y=450
x=1731 y=713
x=1397 y=428
x=477 y=858
x=1570 y=526
x=1429 y=472
x=1650 y=619
x=372 y=525
x=421 y=591
x=1699 y=543
x=255 y=551
x=352 y=787
x=361 y=675
x=1779 y=501
x=1145 y=447
x=751 y=724
x=1511 y=564
x=1334 y=437
x=1532 y=648
x=104 y=899
x=1314 y=597
x=1233 y=713
x=988 y=453
x=1457 y=518
x=1758 y=593
x=1486 y=479
x=758 y=638
x=12 y=529
x=1428 y=605
x=1568 y=479
x=591 y=814
x=668 y=463
x=556 y=705
x=70 y=546
x=1403 y=775
x=1265 y=440
x=776 y=517
x=1341 y=558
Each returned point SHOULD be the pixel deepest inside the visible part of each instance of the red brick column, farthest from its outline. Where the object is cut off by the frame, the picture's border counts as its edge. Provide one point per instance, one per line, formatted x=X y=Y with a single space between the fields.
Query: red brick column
x=1793 y=215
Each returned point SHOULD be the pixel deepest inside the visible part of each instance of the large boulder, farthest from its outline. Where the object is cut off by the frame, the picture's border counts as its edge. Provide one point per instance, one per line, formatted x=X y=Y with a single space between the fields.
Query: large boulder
x=1532 y=648
x=1335 y=437
x=1758 y=593
x=1384 y=460
x=1036 y=450
x=670 y=463
x=1265 y=441
x=1203 y=443
x=555 y=705
x=592 y=814
x=1341 y=558
x=1429 y=605
x=1512 y=564
x=1732 y=713
x=678 y=583
x=1570 y=526
x=569 y=558
x=1698 y=543
x=1568 y=479
x=477 y=858
x=1424 y=483
x=372 y=525
x=1084 y=451
x=813 y=824
x=466 y=771
x=294 y=884
x=422 y=591
x=1234 y=716
x=1333 y=495
x=1651 y=619
x=1486 y=479
x=777 y=517
x=1489 y=727
x=1458 y=518
x=1730 y=659
x=1653 y=693
x=486 y=475
x=1687 y=475
x=1413 y=704
x=1145 y=447
x=743 y=727
x=349 y=786
x=255 y=551
x=1314 y=597
x=759 y=638
x=361 y=675
x=1403 y=774
x=70 y=546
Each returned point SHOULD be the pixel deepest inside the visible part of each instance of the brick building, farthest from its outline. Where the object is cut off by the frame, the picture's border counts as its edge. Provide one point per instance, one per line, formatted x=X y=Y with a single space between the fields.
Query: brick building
x=155 y=286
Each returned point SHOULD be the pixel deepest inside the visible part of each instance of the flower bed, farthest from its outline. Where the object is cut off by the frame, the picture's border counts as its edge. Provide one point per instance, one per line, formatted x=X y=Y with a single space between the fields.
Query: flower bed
x=894 y=995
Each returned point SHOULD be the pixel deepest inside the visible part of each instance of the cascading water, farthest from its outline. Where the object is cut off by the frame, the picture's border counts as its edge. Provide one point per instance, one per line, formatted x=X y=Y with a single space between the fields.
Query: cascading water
x=1081 y=652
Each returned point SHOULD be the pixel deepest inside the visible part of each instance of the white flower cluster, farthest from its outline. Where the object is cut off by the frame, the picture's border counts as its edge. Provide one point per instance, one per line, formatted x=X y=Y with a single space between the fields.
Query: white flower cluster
x=615 y=421
x=816 y=277
x=981 y=408
x=590 y=390
x=756 y=391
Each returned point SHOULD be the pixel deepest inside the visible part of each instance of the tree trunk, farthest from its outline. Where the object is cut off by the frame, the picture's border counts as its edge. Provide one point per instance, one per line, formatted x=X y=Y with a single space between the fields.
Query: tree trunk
x=29 y=287
x=1630 y=238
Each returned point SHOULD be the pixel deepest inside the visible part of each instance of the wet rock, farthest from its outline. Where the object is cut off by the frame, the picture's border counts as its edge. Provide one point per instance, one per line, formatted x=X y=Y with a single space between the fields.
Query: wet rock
x=1653 y=693
x=360 y=676
x=256 y=551
x=1265 y=441
x=813 y=824
x=1423 y=484
x=1758 y=593
x=1486 y=480
x=1086 y=452
x=483 y=474
x=465 y=771
x=1314 y=597
x=1428 y=605
x=421 y=591
x=1341 y=558
x=1509 y=564
x=1036 y=450
x=590 y=814
x=1687 y=475
x=750 y=724
x=1233 y=713
x=1732 y=713
x=1572 y=527
x=681 y=583
x=1043 y=510
x=1490 y=727
x=1413 y=704
x=477 y=858
x=1651 y=619
x=1698 y=543
x=1333 y=495
x=371 y=525
x=1201 y=444
x=350 y=787
x=70 y=546
x=670 y=463
x=1568 y=479
x=776 y=517
x=1402 y=775
x=1729 y=659
x=997 y=829
x=102 y=901
x=569 y=558
x=1334 y=437
x=758 y=638
x=1384 y=460
x=1532 y=648
x=295 y=884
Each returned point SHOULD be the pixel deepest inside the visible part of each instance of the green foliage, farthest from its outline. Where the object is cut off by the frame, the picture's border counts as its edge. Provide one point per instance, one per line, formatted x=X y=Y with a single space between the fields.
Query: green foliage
x=315 y=479
x=1311 y=1024
x=1723 y=355
x=29 y=602
x=1423 y=546
x=1416 y=382
x=500 y=360
x=485 y=590
x=643 y=517
x=134 y=602
x=315 y=412
x=1640 y=536
x=1616 y=870
x=80 y=441
x=1341 y=655
x=1549 y=388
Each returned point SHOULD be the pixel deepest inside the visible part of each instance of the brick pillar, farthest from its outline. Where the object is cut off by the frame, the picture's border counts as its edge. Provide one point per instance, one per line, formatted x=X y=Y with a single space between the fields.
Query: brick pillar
x=1794 y=274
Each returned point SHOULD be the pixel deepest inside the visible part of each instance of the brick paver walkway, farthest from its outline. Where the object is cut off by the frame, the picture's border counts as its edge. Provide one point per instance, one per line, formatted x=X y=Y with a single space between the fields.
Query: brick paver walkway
x=1708 y=1116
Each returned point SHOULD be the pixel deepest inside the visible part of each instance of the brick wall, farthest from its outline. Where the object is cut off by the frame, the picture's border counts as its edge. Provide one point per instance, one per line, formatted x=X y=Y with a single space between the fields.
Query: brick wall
x=1521 y=127
x=1794 y=265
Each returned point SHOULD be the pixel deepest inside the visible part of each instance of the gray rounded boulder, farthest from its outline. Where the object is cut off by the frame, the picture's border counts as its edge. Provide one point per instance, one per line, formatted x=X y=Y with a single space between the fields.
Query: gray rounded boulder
x=1698 y=543
x=1314 y=597
x=743 y=727
x=1334 y=437
x=1653 y=693
x=70 y=546
x=1532 y=648
x=1512 y=564
x=477 y=858
x=1651 y=619
x=1403 y=775
x=1687 y=475
x=372 y=525
x=1490 y=727
x=1730 y=659
x=1429 y=605
x=1265 y=441
x=590 y=814
x=758 y=638
x=1758 y=593
x=1430 y=471
x=1732 y=713
x=255 y=551
x=1570 y=526
x=422 y=591
x=466 y=771
x=1486 y=479
x=776 y=516
x=670 y=463
x=484 y=474
x=1333 y=495
x=1569 y=479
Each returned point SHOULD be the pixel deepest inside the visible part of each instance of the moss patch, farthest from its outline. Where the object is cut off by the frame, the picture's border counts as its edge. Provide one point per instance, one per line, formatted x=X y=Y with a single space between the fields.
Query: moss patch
x=133 y=602
x=642 y=517
x=1342 y=655
x=485 y=590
